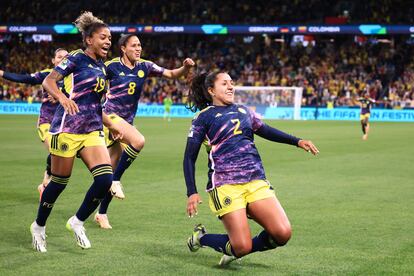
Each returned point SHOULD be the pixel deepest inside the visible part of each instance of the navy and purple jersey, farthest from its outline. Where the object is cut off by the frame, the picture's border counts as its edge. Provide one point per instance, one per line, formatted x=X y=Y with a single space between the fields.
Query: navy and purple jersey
x=47 y=109
x=366 y=105
x=85 y=83
x=229 y=135
x=125 y=86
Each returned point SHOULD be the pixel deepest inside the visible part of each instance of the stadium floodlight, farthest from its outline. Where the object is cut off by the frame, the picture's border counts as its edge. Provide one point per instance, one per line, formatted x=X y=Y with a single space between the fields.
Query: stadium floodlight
x=270 y=96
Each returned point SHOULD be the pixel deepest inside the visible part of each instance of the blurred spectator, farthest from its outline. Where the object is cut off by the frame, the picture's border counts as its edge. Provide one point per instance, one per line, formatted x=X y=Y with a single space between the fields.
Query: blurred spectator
x=334 y=72
x=204 y=12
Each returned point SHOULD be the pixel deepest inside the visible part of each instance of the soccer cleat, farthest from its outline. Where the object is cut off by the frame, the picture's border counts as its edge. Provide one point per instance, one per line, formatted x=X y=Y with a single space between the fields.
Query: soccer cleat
x=79 y=231
x=38 y=237
x=226 y=260
x=193 y=242
x=117 y=190
x=102 y=221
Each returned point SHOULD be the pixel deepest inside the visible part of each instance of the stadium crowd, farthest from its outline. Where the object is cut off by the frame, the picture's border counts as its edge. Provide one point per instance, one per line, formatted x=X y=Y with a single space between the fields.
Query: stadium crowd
x=330 y=72
x=204 y=12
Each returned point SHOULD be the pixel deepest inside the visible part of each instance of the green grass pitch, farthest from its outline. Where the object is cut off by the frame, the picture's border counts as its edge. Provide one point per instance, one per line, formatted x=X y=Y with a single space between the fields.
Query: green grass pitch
x=351 y=207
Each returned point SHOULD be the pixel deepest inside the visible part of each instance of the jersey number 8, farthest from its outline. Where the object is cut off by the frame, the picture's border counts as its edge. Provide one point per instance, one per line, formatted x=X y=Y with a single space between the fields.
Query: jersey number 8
x=131 y=88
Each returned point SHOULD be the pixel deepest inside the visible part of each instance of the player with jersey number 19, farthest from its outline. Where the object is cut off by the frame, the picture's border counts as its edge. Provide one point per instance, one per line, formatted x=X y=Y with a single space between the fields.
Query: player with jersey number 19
x=77 y=129
x=237 y=185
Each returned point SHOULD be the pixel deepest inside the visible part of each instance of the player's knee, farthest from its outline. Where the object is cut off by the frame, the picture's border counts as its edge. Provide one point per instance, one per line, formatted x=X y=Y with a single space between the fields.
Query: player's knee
x=139 y=142
x=282 y=236
x=242 y=248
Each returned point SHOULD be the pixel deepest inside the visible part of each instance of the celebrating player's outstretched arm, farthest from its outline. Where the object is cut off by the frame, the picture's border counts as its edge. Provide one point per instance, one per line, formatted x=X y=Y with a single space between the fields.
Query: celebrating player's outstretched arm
x=47 y=108
x=188 y=63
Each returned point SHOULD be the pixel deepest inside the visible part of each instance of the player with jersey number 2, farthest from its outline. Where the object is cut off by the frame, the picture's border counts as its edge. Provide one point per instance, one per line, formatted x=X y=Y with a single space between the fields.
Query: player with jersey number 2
x=237 y=184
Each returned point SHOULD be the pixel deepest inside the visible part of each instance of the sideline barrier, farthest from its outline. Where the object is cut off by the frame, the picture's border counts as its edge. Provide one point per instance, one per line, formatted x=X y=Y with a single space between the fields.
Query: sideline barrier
x=280 y=113
x=219 y=29
x=19 y=108
x=347 y=114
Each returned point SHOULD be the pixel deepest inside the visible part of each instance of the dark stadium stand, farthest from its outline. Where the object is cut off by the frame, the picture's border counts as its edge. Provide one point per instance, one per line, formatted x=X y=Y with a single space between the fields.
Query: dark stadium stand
x=195 y=12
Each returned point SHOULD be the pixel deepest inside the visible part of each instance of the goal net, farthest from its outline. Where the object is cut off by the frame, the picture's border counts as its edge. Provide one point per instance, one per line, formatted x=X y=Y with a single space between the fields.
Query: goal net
x=271 y=99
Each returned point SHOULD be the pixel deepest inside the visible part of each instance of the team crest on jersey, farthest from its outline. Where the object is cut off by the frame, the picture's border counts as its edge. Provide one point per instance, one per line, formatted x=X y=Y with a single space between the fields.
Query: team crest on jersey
x=242 y=110
x=64 y=64
x=64 y=147
x=227 y=201
x=141 y=74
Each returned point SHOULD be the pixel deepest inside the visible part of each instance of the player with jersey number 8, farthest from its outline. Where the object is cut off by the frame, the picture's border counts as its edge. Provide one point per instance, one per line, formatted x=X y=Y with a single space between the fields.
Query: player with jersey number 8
x=127 y=75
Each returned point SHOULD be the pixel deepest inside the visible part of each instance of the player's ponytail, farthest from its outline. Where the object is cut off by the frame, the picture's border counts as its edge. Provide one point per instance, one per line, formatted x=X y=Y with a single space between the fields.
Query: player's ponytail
x=198 y=96
x=87 y=24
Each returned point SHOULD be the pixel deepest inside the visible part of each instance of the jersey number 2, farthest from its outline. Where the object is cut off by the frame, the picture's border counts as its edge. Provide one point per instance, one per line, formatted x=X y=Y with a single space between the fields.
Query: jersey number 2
x=236 y=128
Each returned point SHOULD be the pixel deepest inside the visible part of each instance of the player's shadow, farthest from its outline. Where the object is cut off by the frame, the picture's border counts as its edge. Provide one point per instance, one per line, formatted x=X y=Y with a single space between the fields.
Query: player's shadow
x=21 y=239
x=236 y=265
x=201 y=258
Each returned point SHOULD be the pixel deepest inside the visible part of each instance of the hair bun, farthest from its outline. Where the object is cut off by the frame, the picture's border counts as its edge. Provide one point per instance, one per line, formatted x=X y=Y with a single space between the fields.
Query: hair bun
x=85 y=20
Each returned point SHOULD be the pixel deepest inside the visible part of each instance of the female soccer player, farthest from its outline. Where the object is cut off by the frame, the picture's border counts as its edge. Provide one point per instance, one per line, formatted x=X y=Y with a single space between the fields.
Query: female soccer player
x=77 y=129
x=127 y=75
x=365 y=114
x=47 y=109
x=237 y=184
